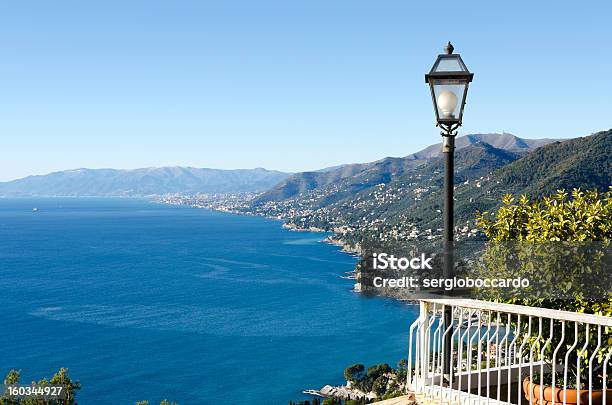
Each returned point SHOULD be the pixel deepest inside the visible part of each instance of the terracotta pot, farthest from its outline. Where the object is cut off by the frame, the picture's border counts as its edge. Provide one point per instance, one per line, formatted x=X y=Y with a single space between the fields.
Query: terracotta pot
x=558 y=394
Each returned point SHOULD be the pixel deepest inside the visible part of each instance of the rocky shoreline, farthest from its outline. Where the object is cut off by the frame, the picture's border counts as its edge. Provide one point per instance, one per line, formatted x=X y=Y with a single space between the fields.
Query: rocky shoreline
x=341 y=392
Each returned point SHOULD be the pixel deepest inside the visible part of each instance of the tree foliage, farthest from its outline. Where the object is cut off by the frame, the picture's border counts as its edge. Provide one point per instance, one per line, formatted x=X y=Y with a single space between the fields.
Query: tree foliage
x=354 y=373
x=59 y=378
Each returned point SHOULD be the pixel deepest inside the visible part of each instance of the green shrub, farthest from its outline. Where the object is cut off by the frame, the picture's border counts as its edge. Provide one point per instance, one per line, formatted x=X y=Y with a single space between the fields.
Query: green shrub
x=584 y=217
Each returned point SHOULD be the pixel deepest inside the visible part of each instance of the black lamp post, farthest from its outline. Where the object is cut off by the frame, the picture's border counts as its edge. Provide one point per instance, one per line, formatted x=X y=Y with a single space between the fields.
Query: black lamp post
x=448 y=80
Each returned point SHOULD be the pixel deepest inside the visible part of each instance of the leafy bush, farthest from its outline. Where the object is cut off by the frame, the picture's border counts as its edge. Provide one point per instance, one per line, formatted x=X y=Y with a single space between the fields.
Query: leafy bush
x=585 y=217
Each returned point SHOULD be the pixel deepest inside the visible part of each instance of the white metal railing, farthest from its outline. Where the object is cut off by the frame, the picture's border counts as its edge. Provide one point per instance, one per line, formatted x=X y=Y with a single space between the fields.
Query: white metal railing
x=496 y=347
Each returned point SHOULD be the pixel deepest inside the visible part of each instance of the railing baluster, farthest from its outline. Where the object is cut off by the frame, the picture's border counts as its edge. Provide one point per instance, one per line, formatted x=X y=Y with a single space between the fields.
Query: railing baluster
x=591 y=365
x=498 y=362
x=554 y=360
x=441 y=356
x=580 y=353
x=422 y=344
x=428 y=338
x=482 y=337
x=410 y=351
x=448 y=330
x=470 y=344
x=513 y=343
x=531 y=348
x=566 y=364
x=521 y=357
x=488 y=356
x=437 y=365
x=460 y=351
x=457 y=331
x=541 y=359
x=605 y=376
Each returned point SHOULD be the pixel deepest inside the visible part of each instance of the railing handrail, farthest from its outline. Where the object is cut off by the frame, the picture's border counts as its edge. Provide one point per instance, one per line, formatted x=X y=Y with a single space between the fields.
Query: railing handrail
x=523 y=310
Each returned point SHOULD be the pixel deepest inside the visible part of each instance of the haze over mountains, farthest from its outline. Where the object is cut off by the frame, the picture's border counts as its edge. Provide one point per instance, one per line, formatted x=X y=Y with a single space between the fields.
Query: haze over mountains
x=143 y=182
x=347 y=180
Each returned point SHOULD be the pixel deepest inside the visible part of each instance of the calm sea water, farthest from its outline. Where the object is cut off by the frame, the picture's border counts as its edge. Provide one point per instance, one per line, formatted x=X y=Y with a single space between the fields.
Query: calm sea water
x=148 y=301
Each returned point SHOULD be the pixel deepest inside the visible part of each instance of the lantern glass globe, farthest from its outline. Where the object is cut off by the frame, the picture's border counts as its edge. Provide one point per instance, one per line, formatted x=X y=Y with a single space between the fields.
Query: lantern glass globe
x=447 y=102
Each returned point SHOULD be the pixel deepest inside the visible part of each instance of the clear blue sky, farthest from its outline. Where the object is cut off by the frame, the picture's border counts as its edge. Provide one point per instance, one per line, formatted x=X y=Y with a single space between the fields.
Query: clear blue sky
x=288 y=85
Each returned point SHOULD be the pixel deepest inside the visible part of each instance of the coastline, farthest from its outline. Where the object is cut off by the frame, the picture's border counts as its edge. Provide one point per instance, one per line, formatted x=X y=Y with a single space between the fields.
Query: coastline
x=332 y=239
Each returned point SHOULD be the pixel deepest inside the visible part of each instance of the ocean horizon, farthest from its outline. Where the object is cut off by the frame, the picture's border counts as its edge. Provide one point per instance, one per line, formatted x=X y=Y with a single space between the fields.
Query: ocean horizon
x=142 y=300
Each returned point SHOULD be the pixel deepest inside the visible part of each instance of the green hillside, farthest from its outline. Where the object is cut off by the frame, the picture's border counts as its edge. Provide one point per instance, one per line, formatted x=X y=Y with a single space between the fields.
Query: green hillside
x=334 y=184
x=584 y=163
x=576 y=163
x=399 y=199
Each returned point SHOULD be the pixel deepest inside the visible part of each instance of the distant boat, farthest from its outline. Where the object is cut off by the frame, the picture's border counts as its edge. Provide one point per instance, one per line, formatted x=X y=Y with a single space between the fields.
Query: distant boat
x=35 y=209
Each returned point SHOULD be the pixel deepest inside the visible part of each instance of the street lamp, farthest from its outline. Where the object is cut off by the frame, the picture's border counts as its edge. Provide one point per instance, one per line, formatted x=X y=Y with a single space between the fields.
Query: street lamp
x=448 y=80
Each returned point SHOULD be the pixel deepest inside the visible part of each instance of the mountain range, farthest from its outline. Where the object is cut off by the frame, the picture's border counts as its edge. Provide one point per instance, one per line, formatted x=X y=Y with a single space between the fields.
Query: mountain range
x=143 y=182
x=350 y=179
x=392 y=198
x=396 y=199
x=381 y=202
x=274 y=185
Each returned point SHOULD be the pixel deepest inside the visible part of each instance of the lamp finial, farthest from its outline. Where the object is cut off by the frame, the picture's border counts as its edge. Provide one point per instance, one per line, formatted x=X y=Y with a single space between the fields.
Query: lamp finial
x=449 y=48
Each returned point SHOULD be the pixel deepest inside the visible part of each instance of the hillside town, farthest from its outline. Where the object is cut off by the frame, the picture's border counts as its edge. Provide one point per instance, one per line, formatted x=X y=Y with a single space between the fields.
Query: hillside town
x=353 y=222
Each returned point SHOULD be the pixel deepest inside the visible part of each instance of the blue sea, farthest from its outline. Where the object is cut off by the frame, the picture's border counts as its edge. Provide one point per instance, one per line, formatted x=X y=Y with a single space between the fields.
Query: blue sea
x=148 y=301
